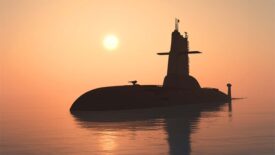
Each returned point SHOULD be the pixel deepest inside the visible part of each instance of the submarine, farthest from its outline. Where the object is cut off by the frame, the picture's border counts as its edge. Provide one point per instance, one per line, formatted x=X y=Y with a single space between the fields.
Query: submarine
x=179 y=87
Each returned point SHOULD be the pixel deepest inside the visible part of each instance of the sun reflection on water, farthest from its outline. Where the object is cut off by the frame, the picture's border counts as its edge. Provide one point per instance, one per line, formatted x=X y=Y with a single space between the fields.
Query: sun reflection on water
x=107 y=140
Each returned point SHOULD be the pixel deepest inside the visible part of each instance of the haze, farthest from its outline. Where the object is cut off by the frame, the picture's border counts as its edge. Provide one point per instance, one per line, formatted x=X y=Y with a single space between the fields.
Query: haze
x=53 y=49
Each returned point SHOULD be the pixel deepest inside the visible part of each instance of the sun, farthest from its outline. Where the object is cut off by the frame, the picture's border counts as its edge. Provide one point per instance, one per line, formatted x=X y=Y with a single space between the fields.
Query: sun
x=110 y=42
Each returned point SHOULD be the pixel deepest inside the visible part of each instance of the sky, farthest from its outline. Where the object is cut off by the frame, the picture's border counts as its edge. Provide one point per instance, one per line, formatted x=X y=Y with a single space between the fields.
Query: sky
x=54 y=48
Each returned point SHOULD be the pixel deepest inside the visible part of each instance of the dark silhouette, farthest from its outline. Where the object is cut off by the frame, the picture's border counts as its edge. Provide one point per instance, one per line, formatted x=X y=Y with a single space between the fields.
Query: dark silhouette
x=179 y=122
x=133 y=82
x=229 y=90
x=178 y=87
x=178 y=63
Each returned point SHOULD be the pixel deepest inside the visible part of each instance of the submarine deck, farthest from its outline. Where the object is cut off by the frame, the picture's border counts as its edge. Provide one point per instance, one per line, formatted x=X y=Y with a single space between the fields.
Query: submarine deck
x=143 y=96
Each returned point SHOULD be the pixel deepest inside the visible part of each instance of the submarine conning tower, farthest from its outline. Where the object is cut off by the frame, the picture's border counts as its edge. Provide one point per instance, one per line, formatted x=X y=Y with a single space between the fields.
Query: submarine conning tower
x=178 y=63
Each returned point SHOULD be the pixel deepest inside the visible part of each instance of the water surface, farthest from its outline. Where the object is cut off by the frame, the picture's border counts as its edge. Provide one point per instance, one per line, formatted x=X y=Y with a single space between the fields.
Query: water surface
x=245 y=126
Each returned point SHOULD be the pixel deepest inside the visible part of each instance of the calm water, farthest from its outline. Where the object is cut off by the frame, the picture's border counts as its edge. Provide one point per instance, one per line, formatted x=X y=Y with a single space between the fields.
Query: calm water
x=244 y=127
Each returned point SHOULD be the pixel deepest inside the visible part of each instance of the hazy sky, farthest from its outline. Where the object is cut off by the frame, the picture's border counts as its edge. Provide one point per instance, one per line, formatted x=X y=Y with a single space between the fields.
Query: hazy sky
x=50 y=47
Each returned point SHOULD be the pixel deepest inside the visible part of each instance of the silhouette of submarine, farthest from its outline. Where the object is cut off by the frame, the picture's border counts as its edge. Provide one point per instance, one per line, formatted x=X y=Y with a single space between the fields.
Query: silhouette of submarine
x=178 y=88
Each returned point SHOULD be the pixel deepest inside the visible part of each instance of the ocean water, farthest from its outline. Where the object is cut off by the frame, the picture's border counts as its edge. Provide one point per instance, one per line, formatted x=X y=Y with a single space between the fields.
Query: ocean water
x=243 y=127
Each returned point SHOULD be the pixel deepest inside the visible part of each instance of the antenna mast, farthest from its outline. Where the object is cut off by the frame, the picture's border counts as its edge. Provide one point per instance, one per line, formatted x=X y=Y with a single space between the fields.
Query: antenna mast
x=177 y=24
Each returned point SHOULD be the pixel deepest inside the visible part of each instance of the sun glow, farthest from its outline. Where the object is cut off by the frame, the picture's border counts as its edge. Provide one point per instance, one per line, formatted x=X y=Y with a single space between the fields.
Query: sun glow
x=110 y=42
x=108 y=140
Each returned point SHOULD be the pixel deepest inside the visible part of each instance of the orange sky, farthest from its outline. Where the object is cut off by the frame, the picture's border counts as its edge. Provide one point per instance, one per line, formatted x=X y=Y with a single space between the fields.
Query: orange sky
x=53 y=47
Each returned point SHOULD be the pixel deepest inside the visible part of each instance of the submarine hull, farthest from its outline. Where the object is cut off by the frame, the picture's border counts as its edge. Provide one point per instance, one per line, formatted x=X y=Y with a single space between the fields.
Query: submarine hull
x=145 y=96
